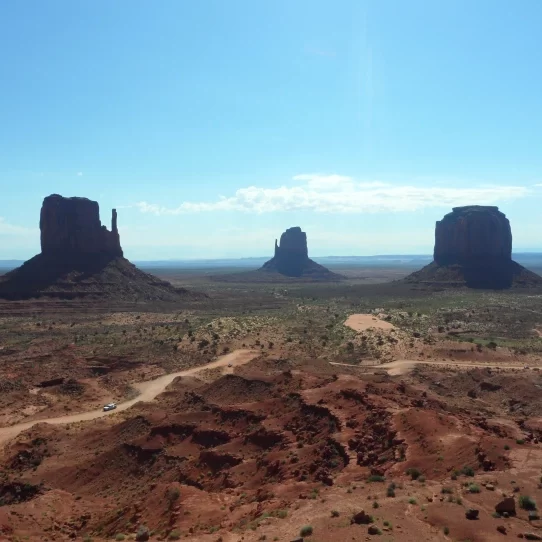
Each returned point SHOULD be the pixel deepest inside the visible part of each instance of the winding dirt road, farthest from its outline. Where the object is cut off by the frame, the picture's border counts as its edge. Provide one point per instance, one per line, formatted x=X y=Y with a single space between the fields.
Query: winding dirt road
x=148 y=391
x=402 y=366
x=361 y=322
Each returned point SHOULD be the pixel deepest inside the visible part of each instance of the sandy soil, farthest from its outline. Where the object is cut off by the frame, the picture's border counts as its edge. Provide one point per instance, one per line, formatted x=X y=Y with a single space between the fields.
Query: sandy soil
x=362 y=322
x=148 y=391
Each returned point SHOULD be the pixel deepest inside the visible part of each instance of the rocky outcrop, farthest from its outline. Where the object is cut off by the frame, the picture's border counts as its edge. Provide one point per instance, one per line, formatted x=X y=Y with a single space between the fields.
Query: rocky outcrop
x=291 y=258
x=361 y=518
x=71 y=227
x=506 y=506
x=473 y=248
x=81 y=258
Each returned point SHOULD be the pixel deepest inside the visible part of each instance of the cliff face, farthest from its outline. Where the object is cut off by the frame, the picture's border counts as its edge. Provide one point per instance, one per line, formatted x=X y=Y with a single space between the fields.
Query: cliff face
x=292 y=255
x=473 y=234
x=71 y=227
x=292 y=258
x=473 y=247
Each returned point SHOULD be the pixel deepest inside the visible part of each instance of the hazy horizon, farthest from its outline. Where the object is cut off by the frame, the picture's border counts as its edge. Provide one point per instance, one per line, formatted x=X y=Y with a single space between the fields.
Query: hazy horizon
x=391 y=260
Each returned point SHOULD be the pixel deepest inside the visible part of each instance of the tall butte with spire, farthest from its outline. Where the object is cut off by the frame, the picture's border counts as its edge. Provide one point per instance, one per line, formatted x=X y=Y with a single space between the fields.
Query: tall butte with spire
x=473 y=248
x=80 y=257
x=70 y=228
x=291 y=258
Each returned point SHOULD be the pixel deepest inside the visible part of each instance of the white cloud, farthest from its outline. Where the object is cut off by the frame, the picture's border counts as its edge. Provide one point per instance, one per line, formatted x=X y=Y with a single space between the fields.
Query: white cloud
x=11 y=229
x=342 y=194
x=330 y=183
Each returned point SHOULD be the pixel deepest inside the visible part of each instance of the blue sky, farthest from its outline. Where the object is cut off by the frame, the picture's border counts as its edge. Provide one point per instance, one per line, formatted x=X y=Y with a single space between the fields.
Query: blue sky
x=214 y=125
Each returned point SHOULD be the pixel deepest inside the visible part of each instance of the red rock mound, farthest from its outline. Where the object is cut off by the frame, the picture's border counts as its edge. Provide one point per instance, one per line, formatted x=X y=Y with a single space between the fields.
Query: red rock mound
x=222 y=455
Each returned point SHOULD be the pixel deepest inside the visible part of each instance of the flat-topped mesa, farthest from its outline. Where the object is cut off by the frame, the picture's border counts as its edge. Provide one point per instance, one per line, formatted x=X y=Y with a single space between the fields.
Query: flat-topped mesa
x=71 y=227
x=473 y=234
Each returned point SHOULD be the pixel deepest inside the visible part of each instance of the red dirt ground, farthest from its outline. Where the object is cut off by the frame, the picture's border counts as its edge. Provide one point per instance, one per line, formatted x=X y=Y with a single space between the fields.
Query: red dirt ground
x=257 y=456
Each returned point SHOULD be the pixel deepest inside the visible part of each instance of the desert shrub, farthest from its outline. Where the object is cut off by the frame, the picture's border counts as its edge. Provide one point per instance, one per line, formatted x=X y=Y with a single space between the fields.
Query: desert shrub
x=172 y=494
x=467 y=471
x=413 y=473
x=527 y=503
x=446 y=490
x=174 y=535
x=375 y=504
x=119 y=537
x=335 y=514
x=376 y=478
x=412 y=501
x=390 y=492
x=520 y=441
x=142 y=533
x=306 y=530
x=474 y=488
x=446 y=531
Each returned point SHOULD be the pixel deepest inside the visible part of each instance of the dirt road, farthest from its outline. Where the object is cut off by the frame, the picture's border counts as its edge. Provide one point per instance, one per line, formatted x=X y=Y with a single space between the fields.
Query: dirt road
x=402 y=366
x=147 y=392
x=361 y=322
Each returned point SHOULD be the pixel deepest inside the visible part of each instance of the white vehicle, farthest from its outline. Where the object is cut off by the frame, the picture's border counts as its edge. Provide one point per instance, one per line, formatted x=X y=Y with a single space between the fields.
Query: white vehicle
x=110 y=406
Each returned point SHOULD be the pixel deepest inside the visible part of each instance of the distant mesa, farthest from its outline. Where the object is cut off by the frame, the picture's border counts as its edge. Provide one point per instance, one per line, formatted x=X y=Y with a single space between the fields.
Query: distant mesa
x=290 y=262
x=80 y=257
x=473 y=248
x=292 y=258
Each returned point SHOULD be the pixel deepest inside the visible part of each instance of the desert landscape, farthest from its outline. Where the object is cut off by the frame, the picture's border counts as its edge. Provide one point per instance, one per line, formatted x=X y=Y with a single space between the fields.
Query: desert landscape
x=346 y=407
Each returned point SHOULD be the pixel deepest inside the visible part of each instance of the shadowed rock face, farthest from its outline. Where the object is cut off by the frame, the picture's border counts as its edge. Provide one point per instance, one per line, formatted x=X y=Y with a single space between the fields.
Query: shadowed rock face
x=292 y=258
x=292 y=255
x=71 y=227
x=473 y=247
x=473 y=234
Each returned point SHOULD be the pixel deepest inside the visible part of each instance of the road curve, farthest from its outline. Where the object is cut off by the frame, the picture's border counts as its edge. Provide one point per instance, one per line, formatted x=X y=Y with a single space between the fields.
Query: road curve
x=361 y=322
x=147 y=392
